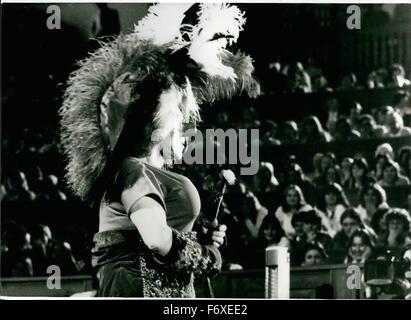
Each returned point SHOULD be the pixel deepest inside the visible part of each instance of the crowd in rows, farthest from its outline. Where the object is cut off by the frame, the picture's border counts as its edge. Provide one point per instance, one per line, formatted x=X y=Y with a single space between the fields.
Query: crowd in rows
x=297 y=78
x=30 y=251
x=306 y=210
x=355 y=124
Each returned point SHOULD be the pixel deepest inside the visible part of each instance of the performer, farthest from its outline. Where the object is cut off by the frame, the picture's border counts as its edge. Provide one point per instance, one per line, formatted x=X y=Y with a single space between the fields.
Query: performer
x=122 y=120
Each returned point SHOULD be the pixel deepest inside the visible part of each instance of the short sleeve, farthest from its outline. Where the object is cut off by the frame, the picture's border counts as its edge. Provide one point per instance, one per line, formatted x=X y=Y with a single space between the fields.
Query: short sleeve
x=137 y=181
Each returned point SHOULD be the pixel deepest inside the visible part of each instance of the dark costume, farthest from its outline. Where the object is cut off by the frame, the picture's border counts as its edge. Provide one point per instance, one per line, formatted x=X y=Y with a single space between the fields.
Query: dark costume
x=126 y=267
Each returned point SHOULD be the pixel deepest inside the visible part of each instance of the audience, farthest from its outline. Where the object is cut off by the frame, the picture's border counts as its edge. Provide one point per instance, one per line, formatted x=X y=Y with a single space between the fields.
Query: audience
x=335 y=212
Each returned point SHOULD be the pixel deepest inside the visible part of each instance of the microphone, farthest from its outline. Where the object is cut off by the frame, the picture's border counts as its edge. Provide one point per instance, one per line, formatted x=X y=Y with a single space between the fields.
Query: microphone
x=228 y=178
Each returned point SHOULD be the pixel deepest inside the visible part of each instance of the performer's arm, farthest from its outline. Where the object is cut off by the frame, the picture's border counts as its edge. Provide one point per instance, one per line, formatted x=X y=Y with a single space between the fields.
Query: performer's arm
x=150 y=220
x=172 y=248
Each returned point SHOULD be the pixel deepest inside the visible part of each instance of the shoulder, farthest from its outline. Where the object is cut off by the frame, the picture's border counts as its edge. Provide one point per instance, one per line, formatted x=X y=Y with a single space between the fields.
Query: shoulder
x=130 y=171
x=403 y=181
x=306 y=207
x=340 y=208
x=279 y=211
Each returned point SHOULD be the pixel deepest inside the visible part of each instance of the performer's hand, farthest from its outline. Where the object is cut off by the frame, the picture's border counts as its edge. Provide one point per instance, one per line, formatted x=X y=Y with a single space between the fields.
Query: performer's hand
x=218 y=235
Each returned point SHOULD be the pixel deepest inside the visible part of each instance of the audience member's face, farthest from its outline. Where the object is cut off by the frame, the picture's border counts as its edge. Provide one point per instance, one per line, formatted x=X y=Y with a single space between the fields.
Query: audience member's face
x=299 y=228
x=349 y=226
x=395 y=226
x=309 y=228
x=380 y=162
x=325 y=163
x=292 y=198
x=317 y=161
x=289 y=133
x=264 y=175
x=367 y=129
x=405 y=157
x=357 y=171
x=389 y=174
x=310 y=127
x=332 y=175
x=313 y=257
x=358 y=248
x=269 y=233
x=355 y=111
x=391 y=122
x=331 y=198
x=381 y=116
x=371 y=198
x=346 y=82
x=27 y=242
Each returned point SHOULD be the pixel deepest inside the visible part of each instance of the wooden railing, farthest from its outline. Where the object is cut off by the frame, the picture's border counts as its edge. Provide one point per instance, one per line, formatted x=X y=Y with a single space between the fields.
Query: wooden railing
x=305 y=282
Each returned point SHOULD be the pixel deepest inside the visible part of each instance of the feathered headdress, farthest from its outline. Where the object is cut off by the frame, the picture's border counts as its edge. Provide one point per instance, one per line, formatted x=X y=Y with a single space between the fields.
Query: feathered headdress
x=175 y=59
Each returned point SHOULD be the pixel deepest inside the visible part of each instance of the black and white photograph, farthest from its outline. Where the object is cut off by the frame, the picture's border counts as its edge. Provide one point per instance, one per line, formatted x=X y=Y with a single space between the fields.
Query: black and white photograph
x=241 y=151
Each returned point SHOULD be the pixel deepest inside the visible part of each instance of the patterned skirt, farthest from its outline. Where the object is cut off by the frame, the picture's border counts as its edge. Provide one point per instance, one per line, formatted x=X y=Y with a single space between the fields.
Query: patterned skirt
x=126 y=268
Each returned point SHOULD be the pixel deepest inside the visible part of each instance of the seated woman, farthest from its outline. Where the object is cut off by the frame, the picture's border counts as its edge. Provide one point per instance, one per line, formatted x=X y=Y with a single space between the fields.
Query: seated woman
x=330 y=175
x=397 y=235
x=293 y=202
x=332 y=204
x=360 y=175
x=345 y=170
x=270 y=234
x=298 y=241
x=314 y=255
x=378 y=221
x=350 y=222
x=372 y=198
x=344 y=131
x=313 y=132
x=391 y=175
x=360 y=247
x=290 y=133
x=404 y=160
x=381 y=158
x=312 y=230
x=253 y=214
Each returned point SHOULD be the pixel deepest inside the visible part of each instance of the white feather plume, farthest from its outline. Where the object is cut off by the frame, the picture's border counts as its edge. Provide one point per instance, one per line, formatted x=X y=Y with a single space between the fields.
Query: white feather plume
x=220 y=18
x=189 y=105
x=168 y=115
x=162 y=23
x=215 y=18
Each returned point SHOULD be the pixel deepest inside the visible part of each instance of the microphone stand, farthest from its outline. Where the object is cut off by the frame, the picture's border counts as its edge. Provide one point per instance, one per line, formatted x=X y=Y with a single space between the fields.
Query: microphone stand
x=213 y=225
